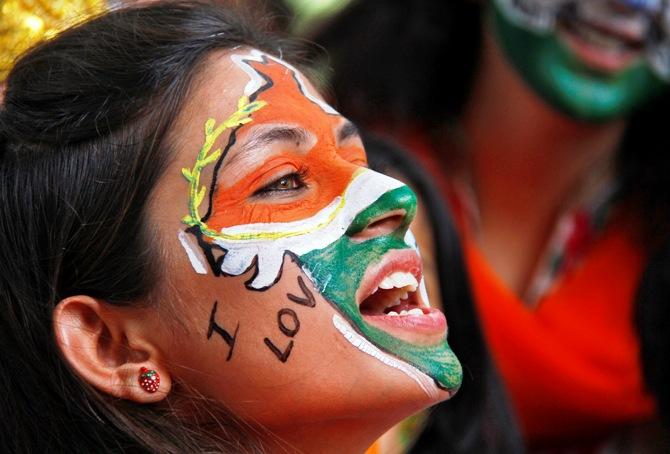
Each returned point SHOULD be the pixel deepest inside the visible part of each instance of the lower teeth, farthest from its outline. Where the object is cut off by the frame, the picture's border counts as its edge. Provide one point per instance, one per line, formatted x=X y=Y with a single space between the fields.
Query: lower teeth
x=415 y=311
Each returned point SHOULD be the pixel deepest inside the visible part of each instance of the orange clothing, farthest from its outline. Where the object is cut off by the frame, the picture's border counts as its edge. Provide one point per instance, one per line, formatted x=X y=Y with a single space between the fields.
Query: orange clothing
x=374 y=449
x=571 y=364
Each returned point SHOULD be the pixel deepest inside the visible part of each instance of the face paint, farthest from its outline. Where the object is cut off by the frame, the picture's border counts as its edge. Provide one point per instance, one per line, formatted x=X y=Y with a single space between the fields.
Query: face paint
x=345 y=264
x=589 y=59
x=318 y=229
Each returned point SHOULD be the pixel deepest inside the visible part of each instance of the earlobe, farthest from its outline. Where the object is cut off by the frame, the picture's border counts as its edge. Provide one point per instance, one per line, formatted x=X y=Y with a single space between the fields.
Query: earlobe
x=100 y=343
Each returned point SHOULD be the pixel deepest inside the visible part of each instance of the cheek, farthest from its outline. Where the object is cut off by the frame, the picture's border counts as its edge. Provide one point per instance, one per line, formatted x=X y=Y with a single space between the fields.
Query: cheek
x=277 y=359
x=255 y=351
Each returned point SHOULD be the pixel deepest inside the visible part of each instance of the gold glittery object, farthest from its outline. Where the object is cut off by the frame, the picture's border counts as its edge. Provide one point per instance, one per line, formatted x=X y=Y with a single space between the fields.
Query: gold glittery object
x=24 y=23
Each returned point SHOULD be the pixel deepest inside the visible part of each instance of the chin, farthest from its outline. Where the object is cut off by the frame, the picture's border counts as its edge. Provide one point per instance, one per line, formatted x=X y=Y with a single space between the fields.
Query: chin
x=392 y=323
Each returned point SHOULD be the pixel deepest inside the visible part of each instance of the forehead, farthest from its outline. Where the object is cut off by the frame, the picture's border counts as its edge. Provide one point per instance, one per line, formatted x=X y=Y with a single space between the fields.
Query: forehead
x=226 y=76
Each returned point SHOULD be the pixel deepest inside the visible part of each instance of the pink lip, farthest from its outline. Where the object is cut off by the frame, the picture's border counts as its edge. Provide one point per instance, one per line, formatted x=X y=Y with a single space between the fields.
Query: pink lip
x=427 y=329
x=597 y=57
x=406 y=260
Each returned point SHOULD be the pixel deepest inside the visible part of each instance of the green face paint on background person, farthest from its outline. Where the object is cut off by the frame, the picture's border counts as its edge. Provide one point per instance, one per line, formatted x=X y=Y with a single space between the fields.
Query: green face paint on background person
x=573 y=71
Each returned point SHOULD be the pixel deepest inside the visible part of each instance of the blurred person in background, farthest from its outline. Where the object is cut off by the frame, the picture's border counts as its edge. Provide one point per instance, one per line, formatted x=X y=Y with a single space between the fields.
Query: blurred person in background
x=543 y=123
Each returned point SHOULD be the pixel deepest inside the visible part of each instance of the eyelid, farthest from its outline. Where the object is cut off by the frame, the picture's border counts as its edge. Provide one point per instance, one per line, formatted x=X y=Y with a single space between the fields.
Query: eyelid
x=263 y=191
x=347 y=132
x=274 y=172
x=351 y=141
x=265 y=173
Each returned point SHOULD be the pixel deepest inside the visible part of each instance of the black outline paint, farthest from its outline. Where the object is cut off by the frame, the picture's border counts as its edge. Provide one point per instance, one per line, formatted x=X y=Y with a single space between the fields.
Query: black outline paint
x=269 y=83
x=227 y=338
x=297 y=82
x=281 y=355
x=308 y=300
x=282 y=327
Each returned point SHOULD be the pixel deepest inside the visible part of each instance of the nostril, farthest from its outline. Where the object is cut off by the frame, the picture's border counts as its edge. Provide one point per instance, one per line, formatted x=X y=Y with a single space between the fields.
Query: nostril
x=386 y=223
x=383 y=225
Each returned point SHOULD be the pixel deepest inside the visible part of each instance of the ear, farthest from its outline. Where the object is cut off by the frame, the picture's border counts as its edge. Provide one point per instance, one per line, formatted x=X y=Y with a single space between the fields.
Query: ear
x=106 y=346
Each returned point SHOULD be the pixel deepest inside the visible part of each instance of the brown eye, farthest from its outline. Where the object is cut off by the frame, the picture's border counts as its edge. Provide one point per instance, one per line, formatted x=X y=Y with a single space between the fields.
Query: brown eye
x=287 y=182
x=290 y=182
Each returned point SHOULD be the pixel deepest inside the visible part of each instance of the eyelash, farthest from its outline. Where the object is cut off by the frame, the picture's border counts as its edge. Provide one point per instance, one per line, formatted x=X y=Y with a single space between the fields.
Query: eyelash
x=299 y=177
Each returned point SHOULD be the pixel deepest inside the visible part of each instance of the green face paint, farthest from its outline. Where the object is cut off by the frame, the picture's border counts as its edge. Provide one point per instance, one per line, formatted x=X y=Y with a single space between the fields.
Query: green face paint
x=338 y=270
x=563 y=81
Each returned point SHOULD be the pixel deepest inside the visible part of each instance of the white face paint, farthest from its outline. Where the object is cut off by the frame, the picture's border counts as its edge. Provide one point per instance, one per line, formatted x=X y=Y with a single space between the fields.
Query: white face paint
x=424 y=381
x=268 y=242
x=256 y=81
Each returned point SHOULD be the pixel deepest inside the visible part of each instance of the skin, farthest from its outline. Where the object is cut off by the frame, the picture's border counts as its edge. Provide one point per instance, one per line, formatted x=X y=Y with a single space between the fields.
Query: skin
x=326 y=387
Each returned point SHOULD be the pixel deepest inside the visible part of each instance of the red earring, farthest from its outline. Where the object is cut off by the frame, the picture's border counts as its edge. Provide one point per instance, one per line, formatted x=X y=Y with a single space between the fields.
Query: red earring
x=149 y=380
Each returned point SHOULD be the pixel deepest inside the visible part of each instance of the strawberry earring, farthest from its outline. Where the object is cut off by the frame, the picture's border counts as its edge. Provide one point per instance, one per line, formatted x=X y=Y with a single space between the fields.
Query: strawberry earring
x=149 y=380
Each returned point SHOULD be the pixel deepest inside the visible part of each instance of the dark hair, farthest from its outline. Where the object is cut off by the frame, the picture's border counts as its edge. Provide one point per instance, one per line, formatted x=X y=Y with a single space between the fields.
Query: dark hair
x=84 y=136
x=478 y=418
x=403 y=62
x=652 y=315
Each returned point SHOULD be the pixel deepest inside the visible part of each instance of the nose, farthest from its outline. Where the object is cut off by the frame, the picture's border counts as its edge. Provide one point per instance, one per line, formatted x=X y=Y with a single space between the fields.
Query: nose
x=390 y=214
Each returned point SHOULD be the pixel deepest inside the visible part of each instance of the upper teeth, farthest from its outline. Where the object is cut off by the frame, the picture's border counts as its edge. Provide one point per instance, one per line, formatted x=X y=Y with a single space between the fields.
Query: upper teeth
x=399 y=279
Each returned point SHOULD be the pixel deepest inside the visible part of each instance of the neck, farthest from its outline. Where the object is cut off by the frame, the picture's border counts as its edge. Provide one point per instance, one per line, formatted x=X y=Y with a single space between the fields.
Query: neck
x=526 y=160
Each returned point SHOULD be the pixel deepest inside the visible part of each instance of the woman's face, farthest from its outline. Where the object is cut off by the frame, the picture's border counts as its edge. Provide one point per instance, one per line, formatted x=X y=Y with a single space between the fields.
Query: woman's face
x=292 y=271
x=592 y=59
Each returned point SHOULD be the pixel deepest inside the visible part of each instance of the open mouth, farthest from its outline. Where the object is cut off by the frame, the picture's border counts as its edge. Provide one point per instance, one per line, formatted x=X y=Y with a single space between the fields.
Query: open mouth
x=396 y=295
x=389 y=299
x=603 y=39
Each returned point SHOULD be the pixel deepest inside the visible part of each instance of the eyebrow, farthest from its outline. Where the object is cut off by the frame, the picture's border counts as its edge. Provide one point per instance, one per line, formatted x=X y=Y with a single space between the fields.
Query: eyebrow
x=260 y=139
x=346 y=131
x=277 y=134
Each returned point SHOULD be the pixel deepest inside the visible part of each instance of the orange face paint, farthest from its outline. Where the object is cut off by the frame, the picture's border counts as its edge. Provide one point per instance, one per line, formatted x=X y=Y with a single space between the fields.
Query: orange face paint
x=288 y=106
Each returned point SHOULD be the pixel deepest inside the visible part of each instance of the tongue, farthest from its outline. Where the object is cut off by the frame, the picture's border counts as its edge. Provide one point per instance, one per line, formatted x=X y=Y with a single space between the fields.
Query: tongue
x=378 y=303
